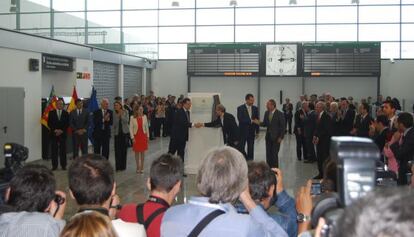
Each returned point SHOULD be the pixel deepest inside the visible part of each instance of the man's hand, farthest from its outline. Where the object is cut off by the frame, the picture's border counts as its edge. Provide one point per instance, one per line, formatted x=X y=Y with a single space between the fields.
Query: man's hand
x=354 y=131
x=114 y=202
x=247 y=200
x=397 y=136
x=256 y=121
x=279 y=178
x=57 y=210
x=315 y=140
x=298 y=131
x=279 y=140
x=304 y=199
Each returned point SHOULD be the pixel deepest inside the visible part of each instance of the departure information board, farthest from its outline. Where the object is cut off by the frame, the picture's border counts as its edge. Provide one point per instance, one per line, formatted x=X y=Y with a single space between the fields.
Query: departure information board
x=223 y=59
x=342 y=59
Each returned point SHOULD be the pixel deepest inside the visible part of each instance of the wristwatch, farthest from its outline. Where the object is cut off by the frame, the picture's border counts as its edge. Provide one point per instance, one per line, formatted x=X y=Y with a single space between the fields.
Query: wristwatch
x=302 y=218
x=117 y=207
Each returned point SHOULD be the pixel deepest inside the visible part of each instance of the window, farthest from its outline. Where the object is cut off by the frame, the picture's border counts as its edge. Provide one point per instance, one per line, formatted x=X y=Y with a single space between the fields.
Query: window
x=33 y=5
x=408 y=13
x=70 y=19
x=255 y=16
x=36 y=20
x=172 y=51
x=104 y=4
x=254 y=33
x=104 y=19
x=379 y=32
x=215 y=17
x=141 y=35
x=71 y=35
x=65 y=5
x=176 y=34
x=176 y=17
x=295 y=15
x=407 y=32
x=295 y=33
x=337 y=33
x=140 y=4
x=407 y=50
x=104 y=36
x=390 y=50
x=39 y=32
x=8 y=21
x=337 y=14
x=380 y=14
x=140 y=18
x=215 y=34
x=143 y=50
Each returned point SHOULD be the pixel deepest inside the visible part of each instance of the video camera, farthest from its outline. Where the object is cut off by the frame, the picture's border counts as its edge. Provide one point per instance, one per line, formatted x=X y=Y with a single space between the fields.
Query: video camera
x=357 y=174
x=15 y=155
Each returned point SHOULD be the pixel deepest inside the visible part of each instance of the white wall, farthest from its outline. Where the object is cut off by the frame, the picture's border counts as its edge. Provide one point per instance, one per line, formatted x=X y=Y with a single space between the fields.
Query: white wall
x=84 y=87
x=170 y=77
x=14 y=67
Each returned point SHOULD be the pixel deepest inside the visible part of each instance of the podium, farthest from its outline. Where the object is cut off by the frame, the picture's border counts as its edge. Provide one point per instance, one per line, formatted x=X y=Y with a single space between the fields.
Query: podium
x=201 y=140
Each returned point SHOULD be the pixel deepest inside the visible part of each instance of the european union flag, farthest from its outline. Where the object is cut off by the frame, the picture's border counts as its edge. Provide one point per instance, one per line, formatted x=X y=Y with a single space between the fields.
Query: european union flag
x=92 y=106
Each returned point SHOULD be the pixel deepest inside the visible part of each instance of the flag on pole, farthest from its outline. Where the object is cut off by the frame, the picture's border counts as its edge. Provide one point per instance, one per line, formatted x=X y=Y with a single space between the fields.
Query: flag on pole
x=92 y=106
x=51 y=105
x=72 y=105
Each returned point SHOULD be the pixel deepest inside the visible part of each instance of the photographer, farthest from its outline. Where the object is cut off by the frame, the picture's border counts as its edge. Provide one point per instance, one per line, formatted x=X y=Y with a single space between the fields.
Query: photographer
x=266 y=189
x=34 y=206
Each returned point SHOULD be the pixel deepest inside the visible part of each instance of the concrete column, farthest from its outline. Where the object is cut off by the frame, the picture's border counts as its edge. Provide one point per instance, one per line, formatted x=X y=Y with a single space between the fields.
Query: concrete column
x=144 y=81
x=121 y=81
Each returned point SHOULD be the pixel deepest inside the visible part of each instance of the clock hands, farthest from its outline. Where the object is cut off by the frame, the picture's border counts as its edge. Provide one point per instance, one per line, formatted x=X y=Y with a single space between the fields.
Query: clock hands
x=286 y=59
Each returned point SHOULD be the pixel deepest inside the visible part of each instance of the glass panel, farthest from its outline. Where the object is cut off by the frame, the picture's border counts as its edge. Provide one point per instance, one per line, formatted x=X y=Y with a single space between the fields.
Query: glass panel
x=407 y=1
x=100 y=19
x=254 y=33
x=70 y=19
x=379 y=32
x=142 y=50
x=104 y=36
x=381 y=14
x=377 y=2
x=8 y=21
x=33 y=5
x=140 y=4
x=65 y=5
x=71 y=35
x=140 y=18
x=390 y=50
x=336 y=2
x=337 y=33
x=176 y=17
x=212 y=3
x=254 y=16
x=407 y=32
x=215 y=17
x=408 y=13
x=140 y=35
x=215 y=34
x=41 y=20
x=173 y=51
x=104 y=4
x=295 y=33
x=42 y=32
x=295 y=15
x=407 y=50
x=337 y=14
x=294 y=3
x=182 y=4
x=255 y=3
x=176 y=34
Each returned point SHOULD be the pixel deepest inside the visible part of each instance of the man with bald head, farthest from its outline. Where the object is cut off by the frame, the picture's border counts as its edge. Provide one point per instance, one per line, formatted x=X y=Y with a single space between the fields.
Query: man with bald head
x=102 y=120
x=322 y=136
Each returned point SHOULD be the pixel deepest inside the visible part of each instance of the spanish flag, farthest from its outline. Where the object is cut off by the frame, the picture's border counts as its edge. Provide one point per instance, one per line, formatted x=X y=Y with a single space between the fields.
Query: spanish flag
x=51 y=105
x=72 y=105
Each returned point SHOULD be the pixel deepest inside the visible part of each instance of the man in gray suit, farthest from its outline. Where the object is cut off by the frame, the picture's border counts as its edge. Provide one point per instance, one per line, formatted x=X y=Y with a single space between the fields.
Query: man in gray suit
x=274 y=121
x=78 y=120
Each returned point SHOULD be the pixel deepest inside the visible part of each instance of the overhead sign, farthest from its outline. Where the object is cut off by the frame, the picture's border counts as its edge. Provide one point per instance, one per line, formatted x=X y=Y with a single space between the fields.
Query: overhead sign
x=55 y=62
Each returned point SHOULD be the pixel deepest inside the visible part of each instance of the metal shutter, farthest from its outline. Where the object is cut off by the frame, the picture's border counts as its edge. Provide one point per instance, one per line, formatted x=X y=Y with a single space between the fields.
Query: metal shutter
x=105 y=80
x=132 y=81
x=148 y=82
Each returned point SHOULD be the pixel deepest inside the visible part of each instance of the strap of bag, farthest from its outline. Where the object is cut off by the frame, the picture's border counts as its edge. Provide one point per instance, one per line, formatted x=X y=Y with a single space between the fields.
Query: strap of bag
x=150 y=219
x=204 y=222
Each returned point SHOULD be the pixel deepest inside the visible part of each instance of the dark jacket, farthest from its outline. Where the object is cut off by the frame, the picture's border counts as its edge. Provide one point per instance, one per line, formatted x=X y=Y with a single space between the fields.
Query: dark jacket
x=300 y=122
x=79 y=121
x=247 y=128
x=180 y=126
x=288 y=110
x=381 y=138
x=55 y=123
x=323 y=129
x=347 y=122
x=276 y=127
x=229 y=127
x=309 y=124
x=404 y=153
x=362 y=125
x=102 y=128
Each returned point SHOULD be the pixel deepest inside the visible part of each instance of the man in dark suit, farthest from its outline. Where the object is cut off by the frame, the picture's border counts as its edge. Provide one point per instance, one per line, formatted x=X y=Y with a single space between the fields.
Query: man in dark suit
x=362 y=121
x=309 y=125
x=347 y=118
x=380 y=133
x=322 y=136
x=102 y=120
x=246 y=114
x=228 y=124
x=404 y=149
x=288 y=112
x=275 y=123
x=179 y=132
x=299 y=130
x=79 y=119
x=58 y=123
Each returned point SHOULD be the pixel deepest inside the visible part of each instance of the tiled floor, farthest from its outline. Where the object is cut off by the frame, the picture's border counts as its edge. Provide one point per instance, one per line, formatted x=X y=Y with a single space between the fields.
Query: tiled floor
x=131 y=186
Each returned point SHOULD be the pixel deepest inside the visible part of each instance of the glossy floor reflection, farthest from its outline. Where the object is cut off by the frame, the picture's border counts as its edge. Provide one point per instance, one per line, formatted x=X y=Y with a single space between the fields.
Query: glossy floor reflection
x=131 y=187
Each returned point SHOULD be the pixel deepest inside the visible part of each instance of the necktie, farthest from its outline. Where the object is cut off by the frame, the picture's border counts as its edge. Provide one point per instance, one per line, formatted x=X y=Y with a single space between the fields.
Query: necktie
x=59 y=114
x=188 y=115
x=79 y=112
x=249 y=110
x=270 y=116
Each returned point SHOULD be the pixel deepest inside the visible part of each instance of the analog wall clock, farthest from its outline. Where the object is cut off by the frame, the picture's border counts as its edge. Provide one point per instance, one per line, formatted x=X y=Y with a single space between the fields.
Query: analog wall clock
x=282 y=60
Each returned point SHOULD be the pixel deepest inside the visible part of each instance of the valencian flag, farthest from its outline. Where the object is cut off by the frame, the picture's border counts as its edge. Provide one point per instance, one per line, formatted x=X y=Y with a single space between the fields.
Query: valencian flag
x=72 y=105
x=92 y=107
x=51 y=105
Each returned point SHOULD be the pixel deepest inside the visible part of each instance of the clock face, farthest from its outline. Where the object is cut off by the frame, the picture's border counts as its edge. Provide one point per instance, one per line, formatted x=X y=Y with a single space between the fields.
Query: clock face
x=281 y=60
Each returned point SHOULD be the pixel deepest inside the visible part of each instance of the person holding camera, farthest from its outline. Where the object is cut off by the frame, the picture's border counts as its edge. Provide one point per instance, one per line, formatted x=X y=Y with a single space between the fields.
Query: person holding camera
x=35 y=208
